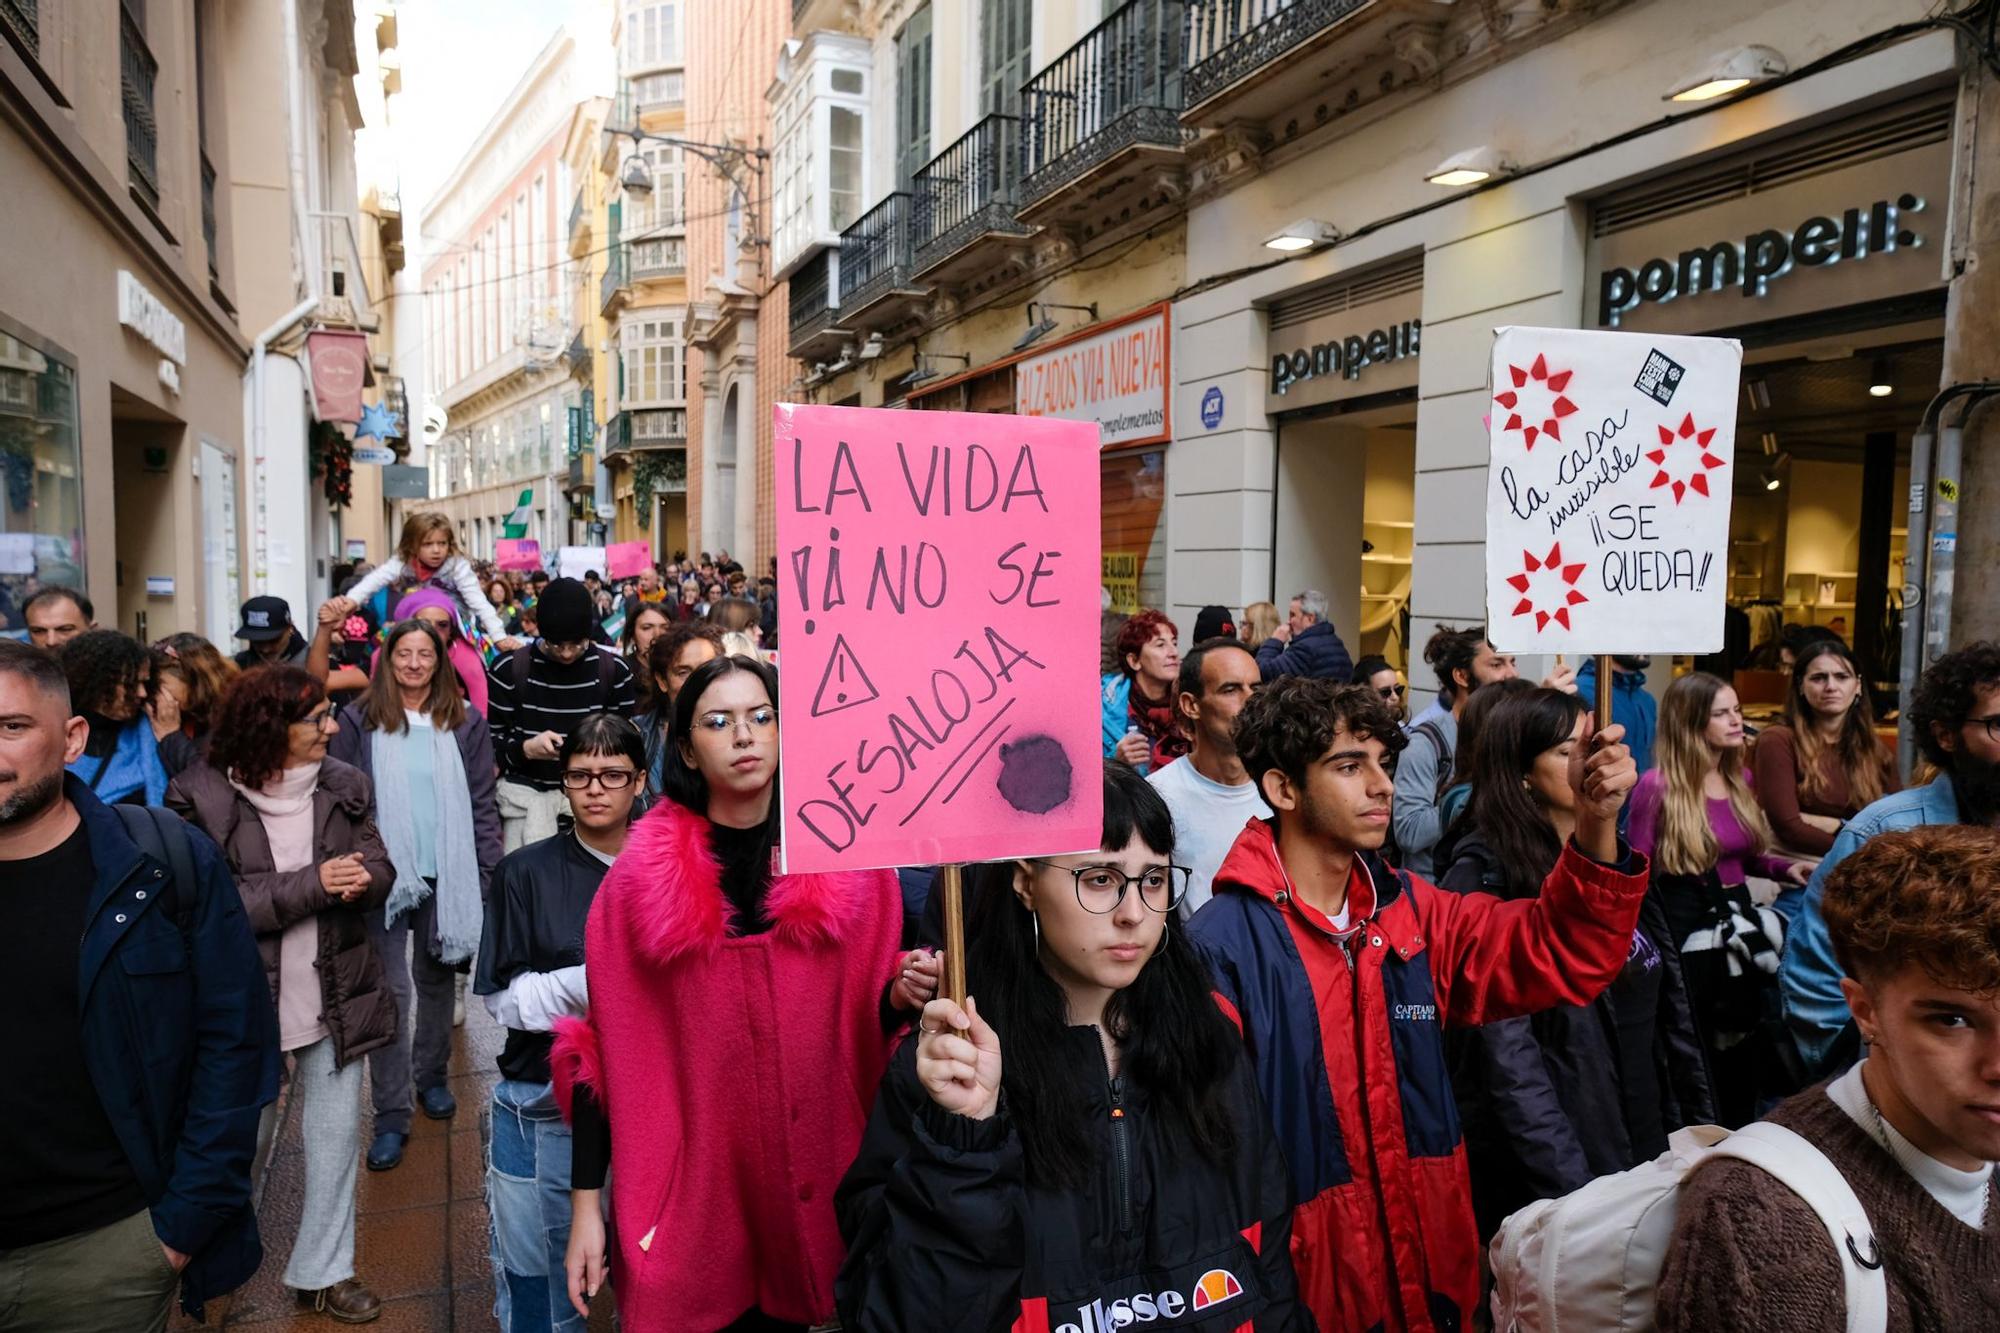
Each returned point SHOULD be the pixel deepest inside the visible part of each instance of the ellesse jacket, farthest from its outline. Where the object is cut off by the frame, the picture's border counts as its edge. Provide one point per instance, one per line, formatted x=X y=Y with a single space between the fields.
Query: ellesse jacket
x=944 y=1231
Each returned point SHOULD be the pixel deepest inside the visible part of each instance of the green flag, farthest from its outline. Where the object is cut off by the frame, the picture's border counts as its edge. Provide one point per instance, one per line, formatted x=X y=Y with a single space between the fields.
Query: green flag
x=517 y=522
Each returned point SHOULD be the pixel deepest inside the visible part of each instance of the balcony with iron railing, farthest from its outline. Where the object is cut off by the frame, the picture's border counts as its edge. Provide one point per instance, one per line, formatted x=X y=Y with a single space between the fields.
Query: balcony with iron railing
x=1101 y=124
x=578 y=357
x=22 y=20
x=1251 y=61
x=613 y=287
x=137 y=71
x=642 y=430
x=878 y=286
x=965 y=201
x=815 y=309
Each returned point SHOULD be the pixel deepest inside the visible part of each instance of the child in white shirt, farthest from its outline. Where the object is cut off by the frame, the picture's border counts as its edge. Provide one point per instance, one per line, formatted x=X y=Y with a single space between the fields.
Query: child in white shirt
x=428 y=553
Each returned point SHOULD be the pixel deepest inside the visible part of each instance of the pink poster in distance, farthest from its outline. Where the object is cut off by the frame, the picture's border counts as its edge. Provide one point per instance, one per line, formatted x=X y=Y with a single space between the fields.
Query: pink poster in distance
x=938 y=578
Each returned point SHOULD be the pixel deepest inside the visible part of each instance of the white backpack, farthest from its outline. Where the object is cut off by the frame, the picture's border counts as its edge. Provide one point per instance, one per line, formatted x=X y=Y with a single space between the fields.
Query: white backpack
x=1590 y=1261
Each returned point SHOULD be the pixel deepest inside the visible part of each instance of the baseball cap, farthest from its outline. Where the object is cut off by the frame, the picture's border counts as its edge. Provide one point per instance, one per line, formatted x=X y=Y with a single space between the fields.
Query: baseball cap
x=264 y=619
x=1214 y=622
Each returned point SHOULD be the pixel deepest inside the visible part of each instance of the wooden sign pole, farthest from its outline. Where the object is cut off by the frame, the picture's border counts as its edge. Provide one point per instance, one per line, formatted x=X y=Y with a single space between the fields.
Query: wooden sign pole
x=1603 y=690
x=949 y=884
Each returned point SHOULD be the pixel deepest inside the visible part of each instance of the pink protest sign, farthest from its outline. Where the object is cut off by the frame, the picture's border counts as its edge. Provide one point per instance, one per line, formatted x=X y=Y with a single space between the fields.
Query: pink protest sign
x=624 y=560
x=517 y=553
x=938 y=590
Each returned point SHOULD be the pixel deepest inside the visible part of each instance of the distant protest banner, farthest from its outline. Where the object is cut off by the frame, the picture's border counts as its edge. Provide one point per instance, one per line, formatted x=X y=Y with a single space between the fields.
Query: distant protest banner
x=938 y=591
x=625 y=560
x=522 y=553
x=1608 y=494
x=573 y=562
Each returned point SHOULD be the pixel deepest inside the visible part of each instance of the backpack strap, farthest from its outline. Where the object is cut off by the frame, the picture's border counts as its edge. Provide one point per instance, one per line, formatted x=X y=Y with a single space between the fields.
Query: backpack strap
x=1444 y=755
x=519 y=669
x=161 y=835
x=607 y=671
x=1804 y=1170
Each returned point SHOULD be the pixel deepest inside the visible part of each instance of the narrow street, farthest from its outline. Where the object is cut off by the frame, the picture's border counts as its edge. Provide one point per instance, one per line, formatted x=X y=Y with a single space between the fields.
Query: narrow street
x=421 y=1243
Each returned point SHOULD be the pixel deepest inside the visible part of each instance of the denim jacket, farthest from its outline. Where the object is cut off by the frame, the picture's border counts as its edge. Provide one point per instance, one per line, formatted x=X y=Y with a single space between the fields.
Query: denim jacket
x=1810 y=976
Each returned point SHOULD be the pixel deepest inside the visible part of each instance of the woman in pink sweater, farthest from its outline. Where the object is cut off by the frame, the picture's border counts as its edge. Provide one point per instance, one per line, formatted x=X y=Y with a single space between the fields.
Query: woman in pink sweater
x=739 y=1024
x=1695 y=816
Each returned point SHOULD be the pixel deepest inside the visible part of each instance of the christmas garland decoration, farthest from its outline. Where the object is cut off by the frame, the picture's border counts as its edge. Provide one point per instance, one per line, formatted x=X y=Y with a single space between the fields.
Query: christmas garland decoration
x=330 y=457
x=649 y=470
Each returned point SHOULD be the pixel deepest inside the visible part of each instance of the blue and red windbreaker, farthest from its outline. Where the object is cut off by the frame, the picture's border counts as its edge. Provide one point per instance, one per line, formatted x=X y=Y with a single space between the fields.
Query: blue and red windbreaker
x=1346 y=1033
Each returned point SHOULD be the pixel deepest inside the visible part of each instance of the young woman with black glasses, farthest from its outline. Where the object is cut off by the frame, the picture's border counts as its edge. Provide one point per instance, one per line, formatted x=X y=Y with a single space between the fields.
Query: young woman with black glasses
x=1081 y=1145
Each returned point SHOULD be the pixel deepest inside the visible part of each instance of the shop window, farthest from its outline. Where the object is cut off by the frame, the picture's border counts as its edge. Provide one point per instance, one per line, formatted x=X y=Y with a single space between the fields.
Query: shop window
x=1134 y=491
x=41 y=490
x=668 y=88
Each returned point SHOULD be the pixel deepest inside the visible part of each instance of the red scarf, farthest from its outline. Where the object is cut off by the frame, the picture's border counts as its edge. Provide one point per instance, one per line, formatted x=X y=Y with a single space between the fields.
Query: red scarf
x=1158 y=723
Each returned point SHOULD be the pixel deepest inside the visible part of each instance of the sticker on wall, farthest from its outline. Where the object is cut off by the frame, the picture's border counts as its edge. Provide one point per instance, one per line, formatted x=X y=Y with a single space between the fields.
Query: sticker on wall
x=1947 y=489
x=1211 y=407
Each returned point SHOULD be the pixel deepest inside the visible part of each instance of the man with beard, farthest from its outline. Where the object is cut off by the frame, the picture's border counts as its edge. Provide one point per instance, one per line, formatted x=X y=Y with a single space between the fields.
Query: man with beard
x=128 y=966
x=1631 y=707
x=1956 y=719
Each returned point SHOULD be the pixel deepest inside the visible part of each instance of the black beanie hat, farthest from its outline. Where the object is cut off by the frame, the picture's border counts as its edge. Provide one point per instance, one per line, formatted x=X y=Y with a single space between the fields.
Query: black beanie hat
x=1214 y=622
x=562 y=612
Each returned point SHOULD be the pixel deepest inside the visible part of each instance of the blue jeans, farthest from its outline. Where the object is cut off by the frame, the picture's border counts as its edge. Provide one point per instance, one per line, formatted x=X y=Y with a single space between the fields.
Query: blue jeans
x=527 y=1197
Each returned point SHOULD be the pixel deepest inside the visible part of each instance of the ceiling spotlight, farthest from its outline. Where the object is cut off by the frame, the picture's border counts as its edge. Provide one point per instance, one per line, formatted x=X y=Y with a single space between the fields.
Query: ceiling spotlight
x=1774 y=472
x=1469 y=167
x=1301 y=236
x=1759 y=393
x=872 y=348
x=1770 y=444
x=1881 y=380
x=1729 y=72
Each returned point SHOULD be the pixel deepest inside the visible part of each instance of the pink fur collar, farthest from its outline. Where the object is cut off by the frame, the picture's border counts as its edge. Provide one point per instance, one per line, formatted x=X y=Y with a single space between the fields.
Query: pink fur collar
x=667 y=889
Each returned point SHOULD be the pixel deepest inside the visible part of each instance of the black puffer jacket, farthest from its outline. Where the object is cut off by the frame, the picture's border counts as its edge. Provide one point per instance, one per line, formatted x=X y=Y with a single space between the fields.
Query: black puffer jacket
x=1542 y=1098
x=535 y=915
x=944 y=1230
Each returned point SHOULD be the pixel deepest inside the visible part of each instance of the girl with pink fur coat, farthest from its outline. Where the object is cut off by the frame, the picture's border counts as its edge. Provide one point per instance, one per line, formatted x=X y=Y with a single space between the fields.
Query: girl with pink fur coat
x=739 y=1024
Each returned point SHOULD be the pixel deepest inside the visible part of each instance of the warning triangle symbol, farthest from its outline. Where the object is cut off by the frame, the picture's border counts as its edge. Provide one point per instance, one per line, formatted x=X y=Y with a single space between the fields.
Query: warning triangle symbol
x=845 y=684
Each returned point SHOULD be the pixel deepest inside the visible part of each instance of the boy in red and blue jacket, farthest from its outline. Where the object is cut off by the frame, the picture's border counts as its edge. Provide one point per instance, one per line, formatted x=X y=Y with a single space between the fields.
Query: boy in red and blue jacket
x=1342 y=972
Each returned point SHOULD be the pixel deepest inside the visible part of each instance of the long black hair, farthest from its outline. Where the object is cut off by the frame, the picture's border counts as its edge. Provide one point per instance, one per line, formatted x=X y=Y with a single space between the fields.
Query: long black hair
x=1503 y=809
x=683 y=784
x=1177 y=1046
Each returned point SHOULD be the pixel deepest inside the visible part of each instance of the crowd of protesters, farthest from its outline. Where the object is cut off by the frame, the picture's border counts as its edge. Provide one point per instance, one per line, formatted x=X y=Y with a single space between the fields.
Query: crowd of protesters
x=1342 y=995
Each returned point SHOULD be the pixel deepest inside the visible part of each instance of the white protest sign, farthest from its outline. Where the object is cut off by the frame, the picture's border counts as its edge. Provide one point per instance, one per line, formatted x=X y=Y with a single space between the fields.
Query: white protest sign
x=573 y=562
x=1608 y=491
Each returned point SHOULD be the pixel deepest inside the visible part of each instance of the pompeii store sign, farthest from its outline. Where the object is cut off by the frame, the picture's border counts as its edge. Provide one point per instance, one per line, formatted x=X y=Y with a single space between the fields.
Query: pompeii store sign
x=1843 y=237
x=1363 y=349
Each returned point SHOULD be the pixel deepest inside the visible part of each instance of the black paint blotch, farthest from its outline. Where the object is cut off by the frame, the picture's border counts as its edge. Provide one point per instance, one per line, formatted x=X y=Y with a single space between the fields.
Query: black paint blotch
x=833 y=534
x=1035 y=774
x=810 y=627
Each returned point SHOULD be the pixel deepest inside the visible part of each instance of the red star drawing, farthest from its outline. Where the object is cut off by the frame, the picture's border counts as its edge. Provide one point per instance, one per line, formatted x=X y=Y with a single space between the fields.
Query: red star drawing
x=1699 y=469
x=1561 y=585
x=1549 y=386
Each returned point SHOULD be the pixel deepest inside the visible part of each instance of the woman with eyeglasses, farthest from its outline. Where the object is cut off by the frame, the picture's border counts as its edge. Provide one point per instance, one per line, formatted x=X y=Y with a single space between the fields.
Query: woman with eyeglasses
x=1081 y=1145
x=429 y=756
x=531 y=971
x=296 y=830
x=738 y=1024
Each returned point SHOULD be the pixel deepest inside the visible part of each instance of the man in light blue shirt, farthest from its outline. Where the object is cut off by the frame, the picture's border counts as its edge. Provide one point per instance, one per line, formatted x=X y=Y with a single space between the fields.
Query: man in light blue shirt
x=1956 y=718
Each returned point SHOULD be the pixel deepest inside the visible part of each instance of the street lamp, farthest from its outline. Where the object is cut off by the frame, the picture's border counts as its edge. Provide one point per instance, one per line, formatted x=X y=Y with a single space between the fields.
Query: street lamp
x=1044 y=326
x=1728 y=72
x=1470 y=167
x=736 y=163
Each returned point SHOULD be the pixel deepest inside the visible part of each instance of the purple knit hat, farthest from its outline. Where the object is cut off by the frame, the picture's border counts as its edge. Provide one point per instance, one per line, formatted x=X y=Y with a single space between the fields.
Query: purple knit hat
x=417 y=600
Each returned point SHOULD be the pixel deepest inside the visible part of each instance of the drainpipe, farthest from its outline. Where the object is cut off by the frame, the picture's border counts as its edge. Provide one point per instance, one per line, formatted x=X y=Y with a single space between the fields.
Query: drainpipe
x=1930 y=549
x=254 y=404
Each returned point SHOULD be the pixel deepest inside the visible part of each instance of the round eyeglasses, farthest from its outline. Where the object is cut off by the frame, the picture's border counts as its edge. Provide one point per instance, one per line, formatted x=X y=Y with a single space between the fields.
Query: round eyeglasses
x=1100 y=888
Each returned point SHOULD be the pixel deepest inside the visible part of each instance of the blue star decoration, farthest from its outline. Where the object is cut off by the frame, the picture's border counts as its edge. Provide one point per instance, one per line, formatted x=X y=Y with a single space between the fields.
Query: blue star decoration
x=377 y=420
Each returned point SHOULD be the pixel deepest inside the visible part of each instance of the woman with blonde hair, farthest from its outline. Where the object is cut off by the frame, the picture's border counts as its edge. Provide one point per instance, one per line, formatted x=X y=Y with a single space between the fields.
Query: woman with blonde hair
x=1823 y=765
x=1260 y=621
x=1695 y=816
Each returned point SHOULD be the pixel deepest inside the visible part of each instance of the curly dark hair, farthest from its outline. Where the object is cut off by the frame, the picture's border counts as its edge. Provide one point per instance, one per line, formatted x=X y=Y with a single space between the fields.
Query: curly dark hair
x=252 y=729
x=1920 y=896
x=1291 y=722
x=101 y=664
x=1138 y=631
x=1450 y=651
x=1945 y=696
x=660 y=658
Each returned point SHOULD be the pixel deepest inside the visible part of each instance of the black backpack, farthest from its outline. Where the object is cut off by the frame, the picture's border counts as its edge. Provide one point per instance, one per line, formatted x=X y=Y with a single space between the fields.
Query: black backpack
x=161 y=835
